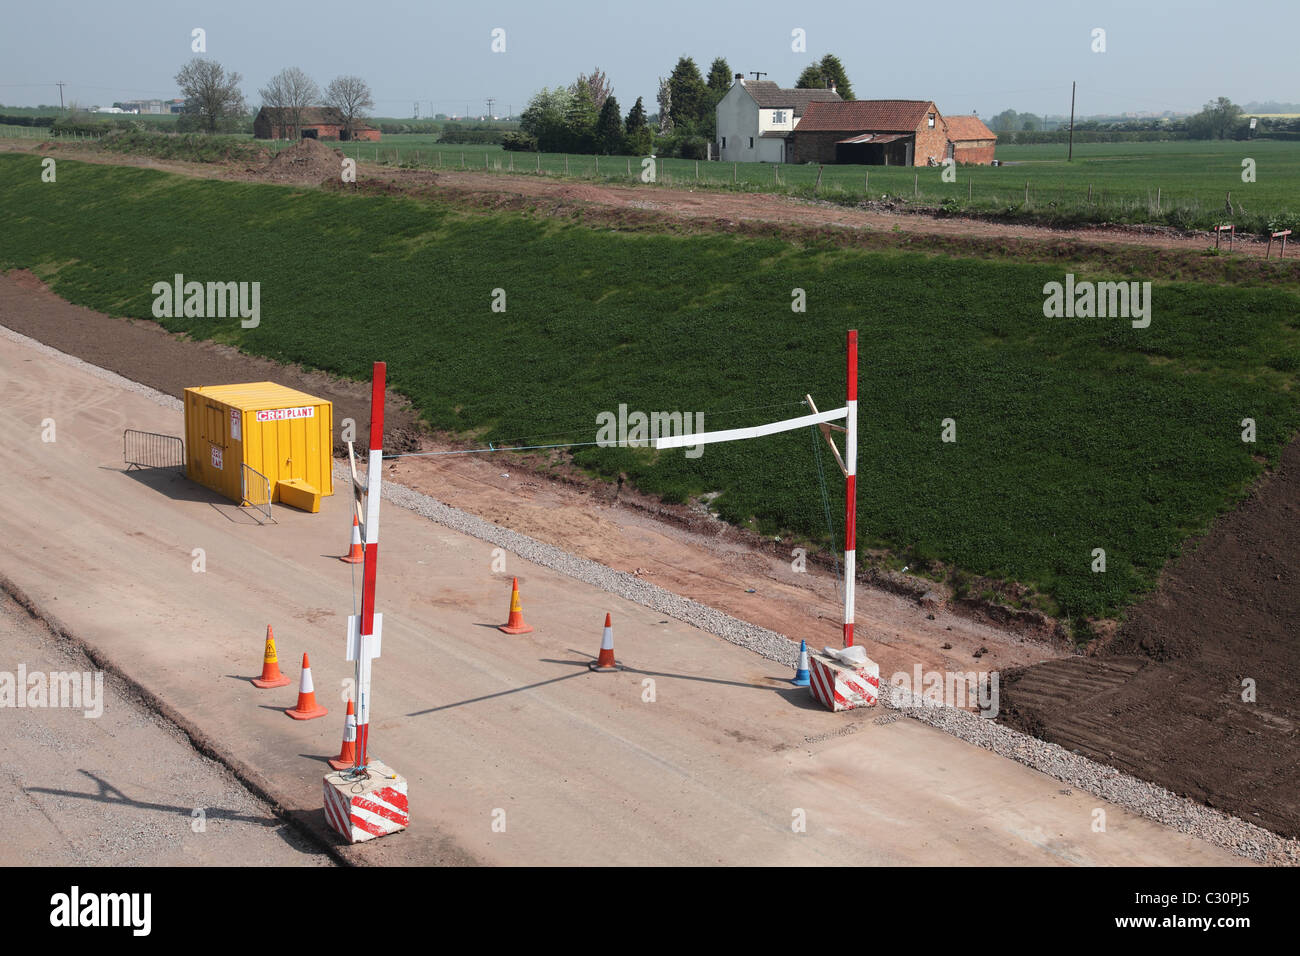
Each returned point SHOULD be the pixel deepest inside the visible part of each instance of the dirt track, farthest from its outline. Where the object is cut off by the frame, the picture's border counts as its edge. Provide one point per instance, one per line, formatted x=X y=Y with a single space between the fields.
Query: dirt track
x=713 y=206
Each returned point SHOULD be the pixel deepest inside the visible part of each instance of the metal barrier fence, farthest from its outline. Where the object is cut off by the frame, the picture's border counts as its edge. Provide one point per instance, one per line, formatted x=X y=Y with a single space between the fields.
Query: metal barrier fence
x=256 y=490
x=151 y=450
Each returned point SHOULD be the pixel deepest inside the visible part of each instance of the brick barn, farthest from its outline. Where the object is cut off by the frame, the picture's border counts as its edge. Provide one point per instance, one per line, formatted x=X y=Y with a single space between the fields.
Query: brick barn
x=972 y=141
x=885 y=133
x=318 y=122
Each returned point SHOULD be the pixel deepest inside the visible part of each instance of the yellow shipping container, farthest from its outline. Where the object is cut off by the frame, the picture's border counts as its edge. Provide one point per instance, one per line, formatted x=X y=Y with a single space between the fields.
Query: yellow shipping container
x=286 y=435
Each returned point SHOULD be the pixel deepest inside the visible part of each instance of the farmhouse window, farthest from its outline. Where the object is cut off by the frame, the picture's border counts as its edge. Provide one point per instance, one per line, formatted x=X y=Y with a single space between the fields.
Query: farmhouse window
x=778 y=116
x=930 y=121
x=724 y=142
x=751 y=142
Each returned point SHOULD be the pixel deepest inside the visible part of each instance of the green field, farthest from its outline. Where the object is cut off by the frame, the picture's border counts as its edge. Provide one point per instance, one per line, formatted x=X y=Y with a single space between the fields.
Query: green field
x=1072 y=434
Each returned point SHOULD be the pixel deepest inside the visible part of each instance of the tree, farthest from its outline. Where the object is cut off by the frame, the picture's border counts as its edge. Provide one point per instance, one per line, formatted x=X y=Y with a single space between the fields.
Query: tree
x=211 y=94
x=1216 y=120
x=290 y=92
x=545 y=117
x=1006 y=120
x=580 y=121
x=823 y=74
x=665 y=98
x=720 y=78
x=690 y=99
x=609 y=128
x=351 y=97
x=598 y=83
x=637 y=130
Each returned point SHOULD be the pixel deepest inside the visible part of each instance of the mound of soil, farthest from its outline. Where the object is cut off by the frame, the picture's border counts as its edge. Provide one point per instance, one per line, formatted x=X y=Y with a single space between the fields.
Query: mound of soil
x=1163 y=699
x=309 y=161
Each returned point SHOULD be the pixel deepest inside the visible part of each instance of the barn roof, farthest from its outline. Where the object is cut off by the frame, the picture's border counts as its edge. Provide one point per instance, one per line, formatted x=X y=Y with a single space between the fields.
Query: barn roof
x=311 y=115
x=963 y=128
x=894 y=116
x=769 y=96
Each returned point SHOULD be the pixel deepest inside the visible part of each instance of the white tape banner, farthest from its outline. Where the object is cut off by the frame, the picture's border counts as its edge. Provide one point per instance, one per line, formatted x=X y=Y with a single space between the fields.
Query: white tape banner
x=756 y=431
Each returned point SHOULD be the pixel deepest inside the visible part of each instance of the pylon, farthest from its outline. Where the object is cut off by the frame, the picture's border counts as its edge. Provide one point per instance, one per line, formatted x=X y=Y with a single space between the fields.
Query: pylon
x=348 y=752
x=801 y=677
x=605 y=662
x=515 y=624
x=271 y=676
x=307 y=708
x=355 y=555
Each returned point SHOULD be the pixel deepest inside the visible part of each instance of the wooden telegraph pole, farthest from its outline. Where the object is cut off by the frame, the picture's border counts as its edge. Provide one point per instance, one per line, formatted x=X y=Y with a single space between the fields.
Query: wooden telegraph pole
x=1070 y=157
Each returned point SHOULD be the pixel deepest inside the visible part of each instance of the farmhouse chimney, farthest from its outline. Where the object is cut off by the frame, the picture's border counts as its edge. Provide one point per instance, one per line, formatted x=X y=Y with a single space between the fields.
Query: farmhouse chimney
x=833 y=90
x=740 y=78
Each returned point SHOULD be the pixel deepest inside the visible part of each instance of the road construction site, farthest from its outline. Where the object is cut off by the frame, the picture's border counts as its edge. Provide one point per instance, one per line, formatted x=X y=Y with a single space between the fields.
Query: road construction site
x=698 y=752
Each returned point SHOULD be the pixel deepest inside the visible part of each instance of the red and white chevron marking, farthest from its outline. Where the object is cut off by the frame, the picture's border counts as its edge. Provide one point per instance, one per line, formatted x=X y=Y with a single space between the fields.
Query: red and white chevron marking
x=358 y=817
x=844 y=688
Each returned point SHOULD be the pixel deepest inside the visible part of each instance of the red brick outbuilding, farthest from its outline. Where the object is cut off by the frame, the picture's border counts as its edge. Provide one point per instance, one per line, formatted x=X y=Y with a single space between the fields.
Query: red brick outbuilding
x=972 y=141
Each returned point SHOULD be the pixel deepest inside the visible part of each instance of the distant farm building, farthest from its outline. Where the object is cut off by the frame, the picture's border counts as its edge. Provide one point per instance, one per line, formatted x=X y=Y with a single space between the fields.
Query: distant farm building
x=317 y=122
x=756 y=118
x=972 y=141
x=888 y=133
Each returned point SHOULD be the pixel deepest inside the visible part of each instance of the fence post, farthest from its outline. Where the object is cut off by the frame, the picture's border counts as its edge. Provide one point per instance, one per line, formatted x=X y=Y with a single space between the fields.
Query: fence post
x=970 y=189
x=462 y=160
x=916 y=185
x=735 y=173
x=697 y=170
x=566 y=164
x=1026 y=194
x=817 y=185
x=597 y=165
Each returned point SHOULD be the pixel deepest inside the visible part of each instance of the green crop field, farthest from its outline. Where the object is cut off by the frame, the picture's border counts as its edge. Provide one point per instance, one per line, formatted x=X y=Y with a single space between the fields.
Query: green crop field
x=1072 y=434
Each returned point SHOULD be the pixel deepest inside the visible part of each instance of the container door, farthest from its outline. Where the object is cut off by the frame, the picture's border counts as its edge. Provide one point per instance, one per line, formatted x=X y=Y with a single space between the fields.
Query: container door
x=217 y=464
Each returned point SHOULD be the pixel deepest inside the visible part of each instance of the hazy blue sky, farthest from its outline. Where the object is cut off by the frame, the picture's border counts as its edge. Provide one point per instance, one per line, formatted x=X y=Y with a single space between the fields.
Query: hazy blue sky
x=967 y=55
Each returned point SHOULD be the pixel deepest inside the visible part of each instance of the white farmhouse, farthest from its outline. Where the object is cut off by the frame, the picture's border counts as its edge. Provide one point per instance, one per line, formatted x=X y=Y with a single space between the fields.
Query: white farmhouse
x=756 y=116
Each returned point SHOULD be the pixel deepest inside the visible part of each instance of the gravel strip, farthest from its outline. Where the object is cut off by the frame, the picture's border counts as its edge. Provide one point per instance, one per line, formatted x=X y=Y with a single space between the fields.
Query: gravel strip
x=1145 y=799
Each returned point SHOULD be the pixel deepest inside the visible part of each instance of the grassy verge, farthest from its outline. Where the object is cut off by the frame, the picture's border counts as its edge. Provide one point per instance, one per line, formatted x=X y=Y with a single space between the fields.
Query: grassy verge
x=1072 y=434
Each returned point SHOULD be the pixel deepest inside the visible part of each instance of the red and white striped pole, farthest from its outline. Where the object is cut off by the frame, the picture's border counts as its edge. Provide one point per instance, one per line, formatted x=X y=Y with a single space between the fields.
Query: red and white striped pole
x=850 y=485
x=374 y=478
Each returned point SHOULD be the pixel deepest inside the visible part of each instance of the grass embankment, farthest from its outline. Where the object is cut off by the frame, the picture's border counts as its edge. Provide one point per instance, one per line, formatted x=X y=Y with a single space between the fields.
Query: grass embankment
x=1072 y=434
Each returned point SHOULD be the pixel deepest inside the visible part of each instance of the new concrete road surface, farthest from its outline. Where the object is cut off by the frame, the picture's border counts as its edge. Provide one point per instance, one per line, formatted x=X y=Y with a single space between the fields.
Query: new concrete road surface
x=698 y=753
x=111 y=783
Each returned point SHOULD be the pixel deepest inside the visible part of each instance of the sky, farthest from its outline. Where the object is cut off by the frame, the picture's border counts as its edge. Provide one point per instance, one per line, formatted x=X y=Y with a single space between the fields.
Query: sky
x=967 y=56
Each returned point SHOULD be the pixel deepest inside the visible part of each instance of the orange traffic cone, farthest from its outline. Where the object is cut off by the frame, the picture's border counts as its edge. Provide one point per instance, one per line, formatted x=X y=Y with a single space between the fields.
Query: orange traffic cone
x=515 y=625
x=307 y=708
x=271 y=676
x=348 y=752
x=605 y=662
x=355 y=555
